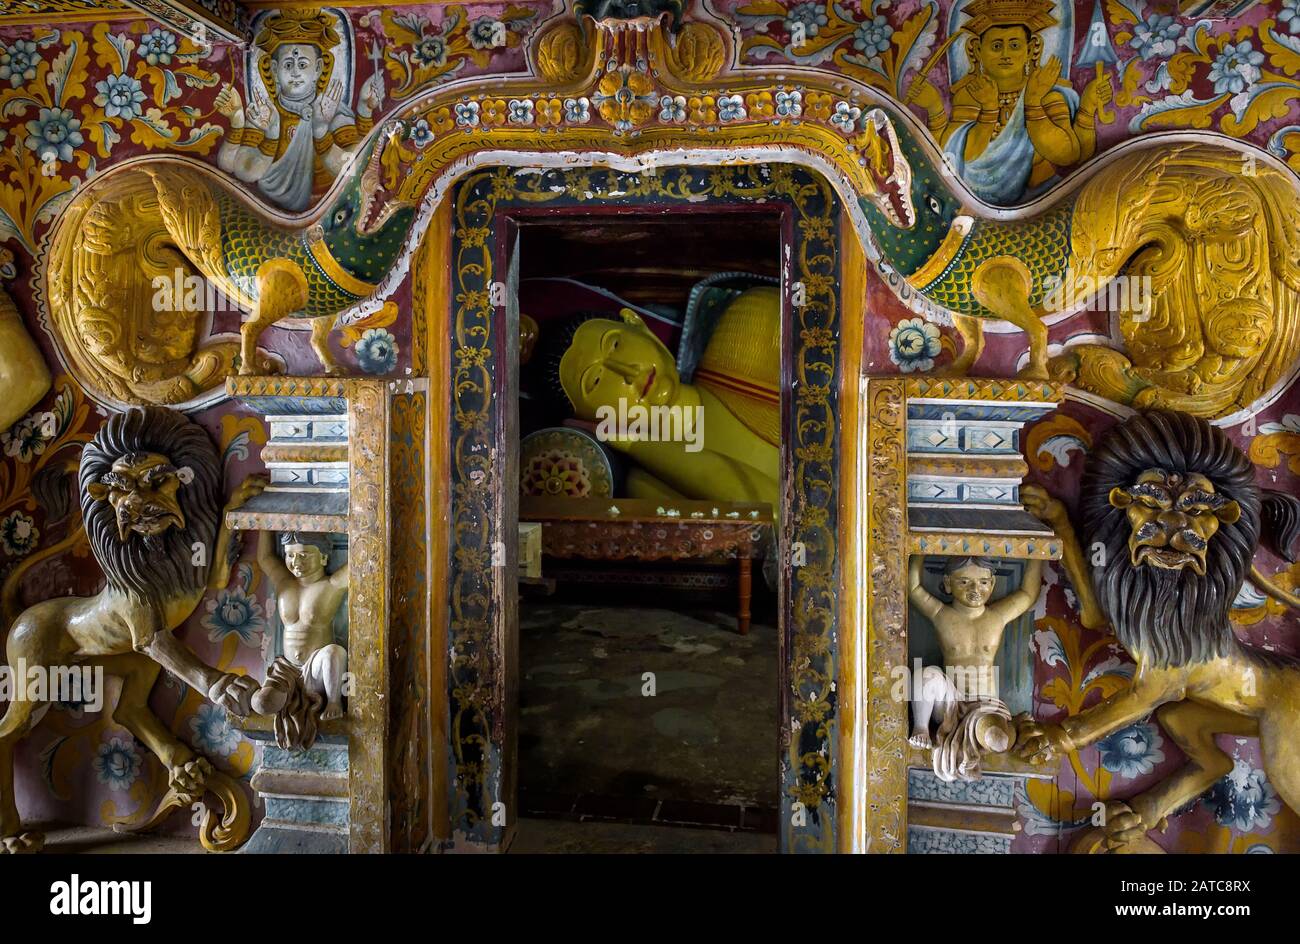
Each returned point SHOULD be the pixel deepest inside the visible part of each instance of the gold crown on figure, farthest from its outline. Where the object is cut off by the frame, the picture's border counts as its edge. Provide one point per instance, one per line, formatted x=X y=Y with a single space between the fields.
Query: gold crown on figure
x=1034 y=15
x=288 y=27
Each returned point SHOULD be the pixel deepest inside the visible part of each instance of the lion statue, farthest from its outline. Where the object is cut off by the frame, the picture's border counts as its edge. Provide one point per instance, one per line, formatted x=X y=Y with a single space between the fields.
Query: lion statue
x=150 y=486
x=1173 y=513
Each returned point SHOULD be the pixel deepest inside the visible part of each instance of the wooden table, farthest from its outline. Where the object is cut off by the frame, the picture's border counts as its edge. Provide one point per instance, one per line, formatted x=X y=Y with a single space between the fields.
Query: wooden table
x=632 y=529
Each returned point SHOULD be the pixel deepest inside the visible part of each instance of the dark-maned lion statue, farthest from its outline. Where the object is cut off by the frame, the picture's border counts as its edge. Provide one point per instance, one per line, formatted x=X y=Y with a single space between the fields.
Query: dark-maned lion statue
x=1171 y=505
x=151 y=506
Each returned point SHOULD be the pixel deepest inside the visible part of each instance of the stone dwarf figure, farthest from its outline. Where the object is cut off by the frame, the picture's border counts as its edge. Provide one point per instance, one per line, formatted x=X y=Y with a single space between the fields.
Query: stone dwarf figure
x=313 y=665
x=962 y=697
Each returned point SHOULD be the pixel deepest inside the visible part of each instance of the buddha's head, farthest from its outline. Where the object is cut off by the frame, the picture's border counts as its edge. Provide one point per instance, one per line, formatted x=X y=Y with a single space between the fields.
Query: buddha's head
x=609 y=361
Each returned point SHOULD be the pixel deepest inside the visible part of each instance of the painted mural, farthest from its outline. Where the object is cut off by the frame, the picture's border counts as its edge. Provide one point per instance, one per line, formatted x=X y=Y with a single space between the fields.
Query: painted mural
x=258 y=235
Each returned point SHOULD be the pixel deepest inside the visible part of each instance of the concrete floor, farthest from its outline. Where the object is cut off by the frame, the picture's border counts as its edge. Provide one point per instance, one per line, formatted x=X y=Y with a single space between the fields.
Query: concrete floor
x=67 y=840
x=553 y=836
x=708 y=734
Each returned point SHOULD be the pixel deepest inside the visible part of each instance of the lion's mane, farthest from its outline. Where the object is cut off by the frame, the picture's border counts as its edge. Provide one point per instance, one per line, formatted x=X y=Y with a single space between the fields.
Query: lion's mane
x=1173 y=617
x=154 y=568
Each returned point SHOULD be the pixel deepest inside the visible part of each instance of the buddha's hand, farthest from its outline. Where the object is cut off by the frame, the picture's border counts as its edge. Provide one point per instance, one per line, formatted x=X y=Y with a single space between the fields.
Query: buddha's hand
x=1043 y=506
x=1041 y=81
x=1040 y=742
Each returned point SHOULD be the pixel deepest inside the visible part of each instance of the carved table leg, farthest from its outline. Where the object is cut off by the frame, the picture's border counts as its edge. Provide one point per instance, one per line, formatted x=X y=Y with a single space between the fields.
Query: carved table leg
x=744 y=588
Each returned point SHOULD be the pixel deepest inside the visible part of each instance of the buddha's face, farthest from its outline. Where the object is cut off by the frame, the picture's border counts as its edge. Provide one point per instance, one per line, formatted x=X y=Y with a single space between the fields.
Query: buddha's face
x=1003 y=52
x=971 y=585
x=297 y=69
x=609 y=361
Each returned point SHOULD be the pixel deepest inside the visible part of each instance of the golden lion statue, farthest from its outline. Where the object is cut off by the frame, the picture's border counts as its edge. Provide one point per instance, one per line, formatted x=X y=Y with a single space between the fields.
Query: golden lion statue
x=1172 y=506
x=150 y=502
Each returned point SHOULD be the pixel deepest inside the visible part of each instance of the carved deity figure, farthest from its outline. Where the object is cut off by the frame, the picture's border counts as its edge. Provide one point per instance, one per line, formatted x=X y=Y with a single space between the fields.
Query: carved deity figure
x=962 y=697
x=307 y=599
x=296 y=133
x=1014 y=122
x=619 y=367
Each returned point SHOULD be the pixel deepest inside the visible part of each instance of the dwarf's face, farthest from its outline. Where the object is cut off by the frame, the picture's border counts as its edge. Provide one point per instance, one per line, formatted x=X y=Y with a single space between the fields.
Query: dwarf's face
x=971 y=585
x=1172 y=518
x=305 y=561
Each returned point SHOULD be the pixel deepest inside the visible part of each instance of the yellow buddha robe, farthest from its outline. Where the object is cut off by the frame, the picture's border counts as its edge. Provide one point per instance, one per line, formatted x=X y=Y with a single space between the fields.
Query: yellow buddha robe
x=741 y=364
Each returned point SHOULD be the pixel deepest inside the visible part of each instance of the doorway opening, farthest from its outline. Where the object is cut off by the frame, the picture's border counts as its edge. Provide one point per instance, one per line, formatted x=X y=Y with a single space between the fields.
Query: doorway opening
x=649 y=457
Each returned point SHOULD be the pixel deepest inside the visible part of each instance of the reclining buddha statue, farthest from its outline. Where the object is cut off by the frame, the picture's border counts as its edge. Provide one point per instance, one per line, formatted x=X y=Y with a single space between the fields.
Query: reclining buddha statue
x=727 y=421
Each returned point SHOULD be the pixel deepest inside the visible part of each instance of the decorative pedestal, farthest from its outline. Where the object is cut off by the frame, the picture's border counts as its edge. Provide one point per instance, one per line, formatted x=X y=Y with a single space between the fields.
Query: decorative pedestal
x=304 y=795
x=963 y=817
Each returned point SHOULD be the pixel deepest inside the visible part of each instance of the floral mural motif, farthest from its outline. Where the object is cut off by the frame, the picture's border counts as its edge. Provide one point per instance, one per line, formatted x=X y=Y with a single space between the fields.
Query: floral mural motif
x=1132 y=751
x=68 y=122
x=913 y=345
x=118 y=763
x=424 y=50
x=1244 y=800
x=212 y=733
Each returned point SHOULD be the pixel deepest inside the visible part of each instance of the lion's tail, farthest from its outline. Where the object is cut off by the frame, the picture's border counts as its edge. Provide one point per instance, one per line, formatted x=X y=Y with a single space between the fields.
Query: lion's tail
x=1280 y=517
x=10 y=608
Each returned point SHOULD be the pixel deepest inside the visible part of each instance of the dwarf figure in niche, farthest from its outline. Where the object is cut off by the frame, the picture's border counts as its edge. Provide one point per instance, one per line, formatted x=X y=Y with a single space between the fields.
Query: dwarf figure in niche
x=619 y=367
x=962 y=697
x=307 y=598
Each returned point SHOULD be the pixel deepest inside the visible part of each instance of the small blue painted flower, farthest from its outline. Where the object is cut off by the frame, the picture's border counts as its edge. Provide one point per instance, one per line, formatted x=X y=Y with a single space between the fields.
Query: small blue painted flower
x=158 y=46
x=577 y=110
x=212 y=731
x=1132 y=751
x=118 y=763
x=53 y=134
x=913 y=345
x=672 y=108
x=846 y=117
x=431 y=51
x=18 y=534
x=519 y=111
x=27 y=438
x=731 y=108
x=421 y=134
x=467 y=114
x=377 y=351
x=487 y=33
x=1236 y=68
x=1157 y=36
x=120 y=96
x=789 y=104
x=1244 y=800
x=803 y=21
x=234 y=611
x=18 y=62
x=1290 y=15
x=872 y=37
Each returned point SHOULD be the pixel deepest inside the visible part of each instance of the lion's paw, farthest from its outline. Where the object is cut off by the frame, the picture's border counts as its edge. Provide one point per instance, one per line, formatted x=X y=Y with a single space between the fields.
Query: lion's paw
x=191 y=777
